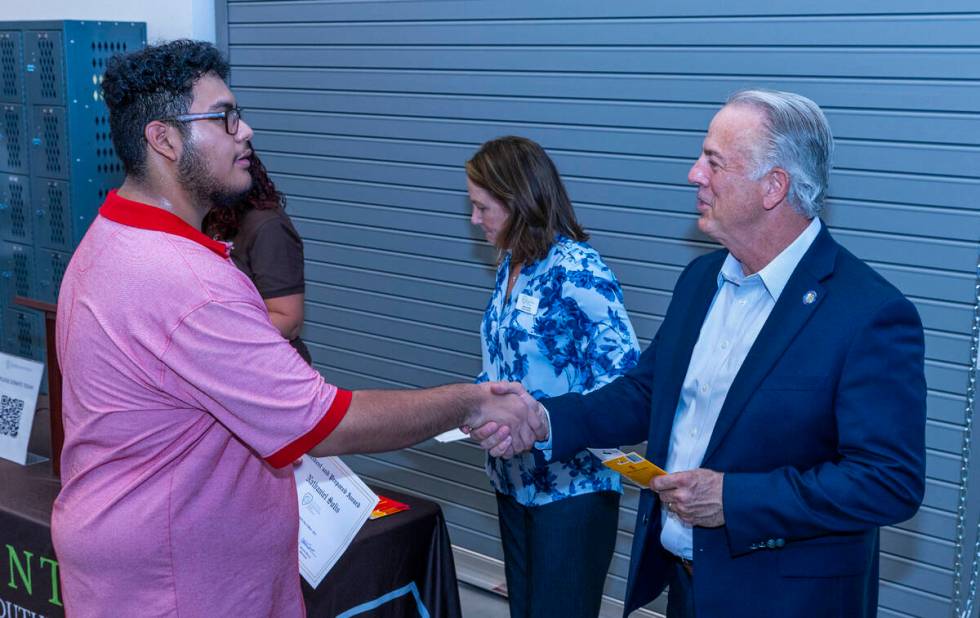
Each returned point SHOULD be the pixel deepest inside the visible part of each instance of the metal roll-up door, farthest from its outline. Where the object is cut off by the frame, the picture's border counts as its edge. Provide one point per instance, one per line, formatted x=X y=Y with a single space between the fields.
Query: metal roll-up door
x=365 y=111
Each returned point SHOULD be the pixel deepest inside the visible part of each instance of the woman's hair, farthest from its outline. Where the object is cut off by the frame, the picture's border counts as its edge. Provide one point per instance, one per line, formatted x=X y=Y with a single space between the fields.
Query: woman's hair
x=223 y=223
x=519 y=173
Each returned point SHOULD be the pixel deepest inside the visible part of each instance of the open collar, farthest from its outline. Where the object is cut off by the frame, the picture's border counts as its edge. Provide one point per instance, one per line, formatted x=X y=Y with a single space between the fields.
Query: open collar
x=147 y=217
x=776 y=273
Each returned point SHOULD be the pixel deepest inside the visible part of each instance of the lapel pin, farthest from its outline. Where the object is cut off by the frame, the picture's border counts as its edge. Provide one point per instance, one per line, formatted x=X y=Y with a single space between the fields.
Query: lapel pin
x=809 y=297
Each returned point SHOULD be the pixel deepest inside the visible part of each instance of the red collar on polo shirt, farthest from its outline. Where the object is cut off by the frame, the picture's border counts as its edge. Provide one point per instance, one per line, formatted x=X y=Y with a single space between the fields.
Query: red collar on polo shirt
x=144 y=216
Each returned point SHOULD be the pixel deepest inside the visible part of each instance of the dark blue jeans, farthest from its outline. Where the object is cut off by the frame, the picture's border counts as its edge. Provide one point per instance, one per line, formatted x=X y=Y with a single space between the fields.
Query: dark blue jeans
x=556 y=556
x=680 y=593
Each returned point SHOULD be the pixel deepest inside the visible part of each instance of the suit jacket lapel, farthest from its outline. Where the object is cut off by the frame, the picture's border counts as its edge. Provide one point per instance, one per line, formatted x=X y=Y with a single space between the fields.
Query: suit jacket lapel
x=695 y=312
x=788 y=316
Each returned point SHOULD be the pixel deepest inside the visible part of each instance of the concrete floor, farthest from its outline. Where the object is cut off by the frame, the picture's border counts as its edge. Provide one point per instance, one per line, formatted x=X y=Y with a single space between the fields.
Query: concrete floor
x=479 y=603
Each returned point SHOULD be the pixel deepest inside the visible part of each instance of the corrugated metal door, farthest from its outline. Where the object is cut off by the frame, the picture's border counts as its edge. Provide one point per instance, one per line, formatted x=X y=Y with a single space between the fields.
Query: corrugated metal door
x=365 y=112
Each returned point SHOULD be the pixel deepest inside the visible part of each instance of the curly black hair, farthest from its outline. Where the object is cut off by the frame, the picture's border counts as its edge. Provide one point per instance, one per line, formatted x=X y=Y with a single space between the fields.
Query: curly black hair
x=152 y=84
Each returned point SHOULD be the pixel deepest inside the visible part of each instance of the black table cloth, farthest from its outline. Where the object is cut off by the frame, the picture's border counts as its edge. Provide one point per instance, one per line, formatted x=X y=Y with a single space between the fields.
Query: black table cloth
x=397 y=566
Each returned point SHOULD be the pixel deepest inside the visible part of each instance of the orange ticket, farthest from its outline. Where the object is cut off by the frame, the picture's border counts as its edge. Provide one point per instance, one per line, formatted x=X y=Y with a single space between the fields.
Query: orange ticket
x=633 y=466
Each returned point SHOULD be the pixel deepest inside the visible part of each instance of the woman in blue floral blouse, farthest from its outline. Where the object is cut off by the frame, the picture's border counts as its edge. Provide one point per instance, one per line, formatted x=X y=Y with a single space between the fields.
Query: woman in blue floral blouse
x=556 y=323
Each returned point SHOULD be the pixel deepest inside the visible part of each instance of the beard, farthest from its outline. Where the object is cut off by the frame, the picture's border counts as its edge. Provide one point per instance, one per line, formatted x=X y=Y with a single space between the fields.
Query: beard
x=205 y=189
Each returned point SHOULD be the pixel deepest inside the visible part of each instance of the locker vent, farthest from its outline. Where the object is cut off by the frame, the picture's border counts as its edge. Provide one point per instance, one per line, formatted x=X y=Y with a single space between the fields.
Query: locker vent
x=8 y=67
x=11 y=126
x=57 y=215
x=18 y=211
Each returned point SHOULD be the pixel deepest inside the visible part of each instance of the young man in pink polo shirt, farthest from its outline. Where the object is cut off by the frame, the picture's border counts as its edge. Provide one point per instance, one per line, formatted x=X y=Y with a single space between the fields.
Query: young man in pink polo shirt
x=183 y=404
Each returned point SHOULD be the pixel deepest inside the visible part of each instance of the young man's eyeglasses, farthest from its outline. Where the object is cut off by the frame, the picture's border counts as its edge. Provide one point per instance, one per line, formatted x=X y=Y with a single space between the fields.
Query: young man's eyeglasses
x=230 y=116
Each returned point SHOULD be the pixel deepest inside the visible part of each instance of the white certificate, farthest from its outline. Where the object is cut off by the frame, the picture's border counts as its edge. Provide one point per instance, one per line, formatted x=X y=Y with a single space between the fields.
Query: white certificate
x=20 y=380
x=333 y=505
x=452 y=436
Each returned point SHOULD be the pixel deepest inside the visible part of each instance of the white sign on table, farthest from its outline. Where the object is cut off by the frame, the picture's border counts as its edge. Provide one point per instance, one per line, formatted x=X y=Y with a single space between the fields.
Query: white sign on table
x=333 y=505
x=20 y=381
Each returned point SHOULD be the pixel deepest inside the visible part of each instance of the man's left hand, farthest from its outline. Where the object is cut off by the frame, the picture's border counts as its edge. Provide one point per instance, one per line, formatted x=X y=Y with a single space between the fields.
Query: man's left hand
x=695 y=496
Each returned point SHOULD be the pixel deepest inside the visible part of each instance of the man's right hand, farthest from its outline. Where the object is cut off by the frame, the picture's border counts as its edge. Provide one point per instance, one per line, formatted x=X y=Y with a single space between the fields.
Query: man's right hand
x=377 y=420
x=510 y=421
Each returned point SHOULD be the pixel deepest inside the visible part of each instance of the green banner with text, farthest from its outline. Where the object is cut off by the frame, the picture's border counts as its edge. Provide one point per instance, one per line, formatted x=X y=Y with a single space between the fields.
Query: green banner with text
x=29 y=584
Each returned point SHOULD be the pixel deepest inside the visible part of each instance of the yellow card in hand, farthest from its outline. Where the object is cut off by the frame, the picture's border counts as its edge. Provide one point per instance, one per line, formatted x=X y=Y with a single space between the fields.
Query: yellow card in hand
x=631 y=465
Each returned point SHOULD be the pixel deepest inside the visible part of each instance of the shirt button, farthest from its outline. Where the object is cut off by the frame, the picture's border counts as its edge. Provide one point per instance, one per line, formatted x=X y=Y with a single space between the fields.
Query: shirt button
x=741 y=302
x=724 y=345
x=704 y=388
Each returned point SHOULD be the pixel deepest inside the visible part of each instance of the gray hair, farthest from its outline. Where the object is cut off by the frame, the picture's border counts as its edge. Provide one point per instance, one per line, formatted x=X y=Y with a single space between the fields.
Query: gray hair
x=798 y=140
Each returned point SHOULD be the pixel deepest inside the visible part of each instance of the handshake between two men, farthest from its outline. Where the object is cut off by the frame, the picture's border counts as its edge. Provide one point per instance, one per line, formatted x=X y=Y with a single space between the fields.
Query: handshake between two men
x=506 y=420
x=692 y=496
x=497 y=428
x=504 y=416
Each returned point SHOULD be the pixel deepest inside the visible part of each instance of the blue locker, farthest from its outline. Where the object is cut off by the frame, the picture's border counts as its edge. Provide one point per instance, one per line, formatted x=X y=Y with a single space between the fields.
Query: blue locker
x=57 y=162
x=13 y=139
x=53 y=217
x=17 y=268
x=16 y=213
x=24 y=333
x=73 y=164
x=11 y=62
x=50 y=270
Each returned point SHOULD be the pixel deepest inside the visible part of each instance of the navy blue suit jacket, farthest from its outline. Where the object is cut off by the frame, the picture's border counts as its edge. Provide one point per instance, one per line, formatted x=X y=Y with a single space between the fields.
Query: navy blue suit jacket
x=821 y=439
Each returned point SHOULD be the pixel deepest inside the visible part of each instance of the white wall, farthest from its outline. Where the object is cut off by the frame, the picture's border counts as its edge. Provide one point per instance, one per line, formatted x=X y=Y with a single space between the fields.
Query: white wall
x=165 y=19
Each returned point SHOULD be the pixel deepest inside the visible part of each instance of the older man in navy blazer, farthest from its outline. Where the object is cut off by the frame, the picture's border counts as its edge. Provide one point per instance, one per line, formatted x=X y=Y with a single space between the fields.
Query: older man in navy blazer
x=784 y=393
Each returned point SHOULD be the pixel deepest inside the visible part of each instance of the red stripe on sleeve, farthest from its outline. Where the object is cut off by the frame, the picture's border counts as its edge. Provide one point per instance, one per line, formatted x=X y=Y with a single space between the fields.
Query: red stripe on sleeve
x=302 y=445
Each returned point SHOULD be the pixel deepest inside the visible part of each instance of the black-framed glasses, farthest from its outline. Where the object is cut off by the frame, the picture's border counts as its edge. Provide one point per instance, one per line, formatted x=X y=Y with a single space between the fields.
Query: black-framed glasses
x=230 y=116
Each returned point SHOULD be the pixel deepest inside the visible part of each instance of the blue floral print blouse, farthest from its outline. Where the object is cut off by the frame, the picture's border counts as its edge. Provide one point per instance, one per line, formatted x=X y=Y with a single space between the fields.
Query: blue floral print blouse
x=564 y=329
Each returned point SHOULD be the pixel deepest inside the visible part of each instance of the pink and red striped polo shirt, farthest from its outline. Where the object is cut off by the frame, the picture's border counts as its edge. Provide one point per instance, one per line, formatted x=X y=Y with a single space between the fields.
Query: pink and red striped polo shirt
x=183 y=408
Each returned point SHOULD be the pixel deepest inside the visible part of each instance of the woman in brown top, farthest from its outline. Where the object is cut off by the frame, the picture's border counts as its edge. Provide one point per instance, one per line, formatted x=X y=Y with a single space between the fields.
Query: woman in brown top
x=267 y=248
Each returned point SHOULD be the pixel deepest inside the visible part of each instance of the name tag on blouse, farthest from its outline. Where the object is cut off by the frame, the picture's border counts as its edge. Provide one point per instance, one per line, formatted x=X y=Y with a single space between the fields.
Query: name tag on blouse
x=527 y=304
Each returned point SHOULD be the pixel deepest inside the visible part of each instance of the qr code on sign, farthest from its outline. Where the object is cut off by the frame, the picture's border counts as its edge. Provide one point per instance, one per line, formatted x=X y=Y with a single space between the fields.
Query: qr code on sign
x=10 y=411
